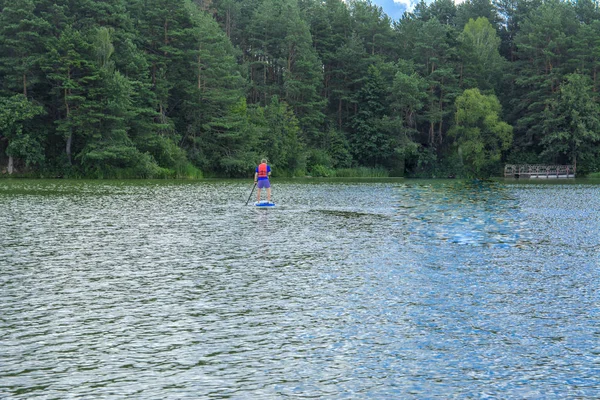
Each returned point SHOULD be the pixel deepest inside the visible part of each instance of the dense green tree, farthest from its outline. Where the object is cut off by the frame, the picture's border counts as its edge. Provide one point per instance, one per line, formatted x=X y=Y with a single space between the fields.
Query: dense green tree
x=165 y=88
x=512 y=13
x=165 y=35
x=107 y=110
x=483 y=67
x=23 y=141
x=409 y=93
x=69 y=68
x=303 y=76
x=442 y=10
x=438 y=65
x=475 y=9
x=572 y=124
x=281 y=141
x=339 y=51
x=347 y=72
x=215 y=108
x=479 y=134
x=21 y=45
x=371 y=143
x=585 y=51
x=545 y=38
x=587 y=11
x=285 y=64
x=373 y=27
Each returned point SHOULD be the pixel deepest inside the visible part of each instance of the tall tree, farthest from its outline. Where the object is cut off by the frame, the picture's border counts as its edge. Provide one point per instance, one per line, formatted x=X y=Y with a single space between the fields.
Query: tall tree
x=21 y=44
x=348 y=66
x=373 y=26
x=444 y=11
x=409 y=94
x=216 y=136
x=511 y=14
x=68 y=66
x=483 y=65
x=543 y=44
x=584 y=53
x=164 y=33
x=572 y=124
x=284 y=62
x=282 y=138
x=15 y=112
x=106 y=113
x=369 y=143
x=437 y=61
x=474 y=9
x=480 y=136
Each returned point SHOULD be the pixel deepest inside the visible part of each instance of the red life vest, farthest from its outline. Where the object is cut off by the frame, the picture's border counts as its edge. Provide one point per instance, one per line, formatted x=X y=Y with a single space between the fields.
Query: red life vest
x=262 y=170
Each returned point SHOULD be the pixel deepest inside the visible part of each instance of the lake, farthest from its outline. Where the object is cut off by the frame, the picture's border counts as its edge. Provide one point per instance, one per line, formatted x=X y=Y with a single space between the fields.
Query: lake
x=348 y=289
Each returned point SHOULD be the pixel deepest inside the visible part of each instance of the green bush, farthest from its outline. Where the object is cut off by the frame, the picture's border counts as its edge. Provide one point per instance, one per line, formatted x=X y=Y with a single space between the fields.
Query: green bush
x=188 y=171
x=361 y=172
x=318 y=157
x=321 y=171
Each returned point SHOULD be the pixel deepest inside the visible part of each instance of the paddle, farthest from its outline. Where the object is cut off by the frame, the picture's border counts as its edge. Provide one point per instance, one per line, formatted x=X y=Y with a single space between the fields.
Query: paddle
x=251 y=193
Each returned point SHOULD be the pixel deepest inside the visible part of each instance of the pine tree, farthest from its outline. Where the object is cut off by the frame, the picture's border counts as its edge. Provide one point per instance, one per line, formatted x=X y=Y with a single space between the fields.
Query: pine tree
x=369 y=143
x=284 y=63
x=543 y=44
x=409 y=94
x=346 y=75
x=15 y=112
x=438 y=65
x=281 y=141
x=572 y=124
x=584 y=53
x=474 y=9
x=68 y=66
x=445 y=11
x=215 y=107
x=373 y=27
x=21 y=45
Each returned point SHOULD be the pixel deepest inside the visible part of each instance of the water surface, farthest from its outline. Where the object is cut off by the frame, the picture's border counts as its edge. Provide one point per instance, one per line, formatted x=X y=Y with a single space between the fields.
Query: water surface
x=348 y=289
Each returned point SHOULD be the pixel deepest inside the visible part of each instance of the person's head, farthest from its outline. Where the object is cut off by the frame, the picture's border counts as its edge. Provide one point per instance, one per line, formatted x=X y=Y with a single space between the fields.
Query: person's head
x=263 y=161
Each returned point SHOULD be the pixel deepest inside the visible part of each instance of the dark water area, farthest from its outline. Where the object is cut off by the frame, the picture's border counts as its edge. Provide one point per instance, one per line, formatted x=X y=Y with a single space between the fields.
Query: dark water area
x=346 y=290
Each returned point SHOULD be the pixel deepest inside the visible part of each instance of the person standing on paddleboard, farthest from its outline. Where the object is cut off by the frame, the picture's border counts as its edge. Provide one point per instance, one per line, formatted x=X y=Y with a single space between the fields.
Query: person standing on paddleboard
x=261 y=178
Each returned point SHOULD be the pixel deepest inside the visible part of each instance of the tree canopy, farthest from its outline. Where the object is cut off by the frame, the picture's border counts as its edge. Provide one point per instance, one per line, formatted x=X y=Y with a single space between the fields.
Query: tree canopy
x=190 y=88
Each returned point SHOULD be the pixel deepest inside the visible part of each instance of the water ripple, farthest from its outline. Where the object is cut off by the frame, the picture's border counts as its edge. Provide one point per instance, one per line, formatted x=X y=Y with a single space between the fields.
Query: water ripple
x=396 y=289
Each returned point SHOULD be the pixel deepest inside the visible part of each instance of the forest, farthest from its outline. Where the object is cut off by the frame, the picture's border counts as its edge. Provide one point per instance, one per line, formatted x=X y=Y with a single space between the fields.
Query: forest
x=206 y=88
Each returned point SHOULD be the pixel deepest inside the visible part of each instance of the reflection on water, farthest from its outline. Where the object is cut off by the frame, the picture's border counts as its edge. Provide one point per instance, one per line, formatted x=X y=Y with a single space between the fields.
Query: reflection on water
x=389 y=289
x=463 y=213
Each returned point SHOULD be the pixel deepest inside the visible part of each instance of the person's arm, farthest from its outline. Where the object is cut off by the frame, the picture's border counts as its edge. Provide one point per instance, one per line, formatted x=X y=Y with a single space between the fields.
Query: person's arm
x=255 y=177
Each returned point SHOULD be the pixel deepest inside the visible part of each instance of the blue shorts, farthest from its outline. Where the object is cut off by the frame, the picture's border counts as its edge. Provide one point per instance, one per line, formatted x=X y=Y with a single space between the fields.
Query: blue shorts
x=263 y=184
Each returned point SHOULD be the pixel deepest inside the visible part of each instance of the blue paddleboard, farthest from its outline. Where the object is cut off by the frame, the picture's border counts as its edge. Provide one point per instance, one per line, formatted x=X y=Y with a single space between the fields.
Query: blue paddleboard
x=264 y=203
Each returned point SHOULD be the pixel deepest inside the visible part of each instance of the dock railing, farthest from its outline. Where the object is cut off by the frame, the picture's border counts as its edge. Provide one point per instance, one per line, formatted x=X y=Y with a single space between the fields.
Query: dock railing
x=538 y=171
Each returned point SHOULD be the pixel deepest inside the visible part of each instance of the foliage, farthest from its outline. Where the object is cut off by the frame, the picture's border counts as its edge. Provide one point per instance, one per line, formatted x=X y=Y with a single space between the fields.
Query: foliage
x=285 y=149
x=23 y=142
x=189 y=88
x=371 y=144
x=482 y=61
x=361 y=172
x=480 y=136
x=572 y=127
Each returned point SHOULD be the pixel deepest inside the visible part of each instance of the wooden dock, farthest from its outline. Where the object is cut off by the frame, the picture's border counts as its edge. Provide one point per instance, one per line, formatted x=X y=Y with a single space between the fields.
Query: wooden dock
x=535 y=171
